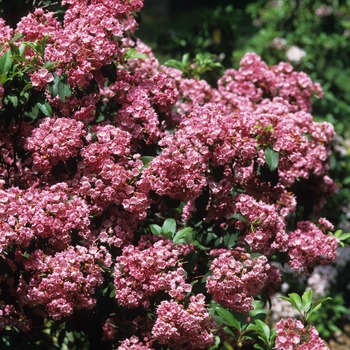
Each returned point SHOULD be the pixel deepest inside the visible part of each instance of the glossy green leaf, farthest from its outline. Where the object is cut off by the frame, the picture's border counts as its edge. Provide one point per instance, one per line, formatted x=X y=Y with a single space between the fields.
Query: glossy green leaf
x=49 y=65
x=182 y=234
x=239 y=217
x=13 y=98
x=26 y=88
x=216 y=343
x=146 y=160
x=307 y=300
x=338 y=233
x=228 y=317
x=263 y=330
x=174 y=64
x=316 y=305
x=295 y=300
x=60 y=87
x=271 y=158
x=169 y=225
x=14 y=49
x=19 y=58
x=5 y=62
x=112 y=293
x=344 y=236
x=45 y=108
x=156 y=229
x=132 y=53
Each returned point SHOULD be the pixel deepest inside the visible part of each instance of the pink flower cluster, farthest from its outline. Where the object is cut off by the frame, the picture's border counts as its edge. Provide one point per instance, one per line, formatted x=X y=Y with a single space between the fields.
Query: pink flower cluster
x=48 y=215
x=265 y=231
x=142 y=272
x=63 y=282
x=86 y=40
x=236 y=279
x=56 y=139
x=133 y=343
x=184 y=328
x=254 y=82
x=308 y=246
x=293 y=335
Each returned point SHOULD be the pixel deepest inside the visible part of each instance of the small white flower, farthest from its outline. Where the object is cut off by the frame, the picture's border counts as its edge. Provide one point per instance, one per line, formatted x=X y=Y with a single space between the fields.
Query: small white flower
x=295 y=53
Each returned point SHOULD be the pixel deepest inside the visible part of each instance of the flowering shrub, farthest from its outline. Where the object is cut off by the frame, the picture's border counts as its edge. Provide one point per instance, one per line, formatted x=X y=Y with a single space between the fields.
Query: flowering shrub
x=101 y=147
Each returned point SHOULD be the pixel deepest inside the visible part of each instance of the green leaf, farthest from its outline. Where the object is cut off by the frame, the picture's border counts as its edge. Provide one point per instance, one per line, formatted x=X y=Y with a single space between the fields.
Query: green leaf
x=230 y=331
x=19 y=58
x=132 y=53
x=199 y=245
x=263 y=330
x=146 y=160
x=186 y=59
x=295 y=300
x=45 y=108
x=208 y=274
x=174 y=64
x=14 y=49
x=26 y=88
x=228 y=317
x=4 y=78
x=239 y=217
x=316 y=305
x=230 y=240
x=49 y=65
x=112 y=293
x=344 y=236
x=169 y=226
x=21 y=49
x=181 y=234
x=17 y=36
x=307 y=300
x=14 y=99
x=271 y=158
x=5 y=62
x=216 y=344
x=43 y=44
x=156 y=229
x=60 y=87
x=338 y=233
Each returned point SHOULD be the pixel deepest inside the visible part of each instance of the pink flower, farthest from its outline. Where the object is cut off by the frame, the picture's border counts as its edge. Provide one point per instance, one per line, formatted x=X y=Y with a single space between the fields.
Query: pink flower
x=309 y=246
x=292 y=335
x=56 y=139
x=40 y=78
x=142 y=272
x=236 y=279
x=184 y=328
x=133 y=343
x=63 y=282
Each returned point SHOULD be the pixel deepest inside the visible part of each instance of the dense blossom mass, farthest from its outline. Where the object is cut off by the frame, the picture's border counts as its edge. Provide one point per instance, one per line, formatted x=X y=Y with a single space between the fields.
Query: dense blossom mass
x=99 y=145
x=236 y=279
